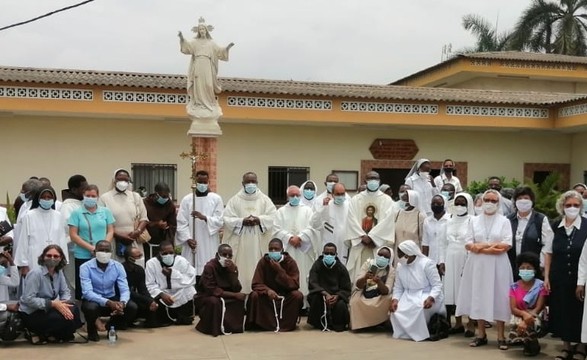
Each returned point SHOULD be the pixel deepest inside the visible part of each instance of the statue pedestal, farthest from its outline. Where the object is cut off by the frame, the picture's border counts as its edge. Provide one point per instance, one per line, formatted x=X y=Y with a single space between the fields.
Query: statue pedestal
x=204 y=121
x=206 y=147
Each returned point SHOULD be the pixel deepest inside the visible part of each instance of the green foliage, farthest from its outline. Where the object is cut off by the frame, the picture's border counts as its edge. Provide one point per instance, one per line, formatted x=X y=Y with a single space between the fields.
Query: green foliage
x=547 y=195
x=10 y=210
x=478 y=187
x=487 y=37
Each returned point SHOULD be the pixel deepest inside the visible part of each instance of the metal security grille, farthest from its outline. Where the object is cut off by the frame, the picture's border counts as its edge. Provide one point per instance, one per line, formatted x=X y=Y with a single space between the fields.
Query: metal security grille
x=146 y=176
x=280 y=177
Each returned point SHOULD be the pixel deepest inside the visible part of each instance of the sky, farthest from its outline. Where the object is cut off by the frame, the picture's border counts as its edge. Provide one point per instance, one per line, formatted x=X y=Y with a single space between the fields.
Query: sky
x=349 y=41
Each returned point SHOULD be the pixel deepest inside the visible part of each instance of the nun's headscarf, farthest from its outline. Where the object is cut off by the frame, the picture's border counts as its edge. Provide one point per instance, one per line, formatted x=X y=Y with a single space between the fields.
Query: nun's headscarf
x=579 y=184
x=42 y=190
x=470 y=202
x=415 y=168
x=384 y=187
x=410 y=248
x=116 y=172
x=390 y=252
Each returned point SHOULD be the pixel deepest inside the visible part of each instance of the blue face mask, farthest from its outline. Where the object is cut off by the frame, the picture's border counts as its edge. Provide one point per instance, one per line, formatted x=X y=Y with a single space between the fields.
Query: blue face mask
x=250 y=188
x=3 y=270
x=445 y=194
x=162 y=200
x=309 y=194
x=526 y=275
x=328 y=260
x=90 y=202
x=46 y=204
x=23 y=197
x=381 y=261
x=274 y=255
x=339 y=200
x=372 y=185
x=202 y=187
x=294 y=200
x=402 y=204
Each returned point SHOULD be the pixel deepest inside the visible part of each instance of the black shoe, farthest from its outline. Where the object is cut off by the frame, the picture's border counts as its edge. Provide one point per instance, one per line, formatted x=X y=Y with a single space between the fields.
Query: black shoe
x=93 y=336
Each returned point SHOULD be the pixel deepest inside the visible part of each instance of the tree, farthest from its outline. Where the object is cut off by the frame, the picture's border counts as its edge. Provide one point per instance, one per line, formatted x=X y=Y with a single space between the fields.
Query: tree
x=558 y=27
x=487 y=37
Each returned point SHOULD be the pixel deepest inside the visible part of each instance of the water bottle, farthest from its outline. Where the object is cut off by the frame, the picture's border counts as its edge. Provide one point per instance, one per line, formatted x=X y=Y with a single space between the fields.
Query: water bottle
x=112 y=337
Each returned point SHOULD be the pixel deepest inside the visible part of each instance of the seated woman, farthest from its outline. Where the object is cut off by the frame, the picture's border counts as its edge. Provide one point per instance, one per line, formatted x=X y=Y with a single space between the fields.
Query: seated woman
x=371 y=295
x=417 y=293
x=45 y=305
x=527 y=300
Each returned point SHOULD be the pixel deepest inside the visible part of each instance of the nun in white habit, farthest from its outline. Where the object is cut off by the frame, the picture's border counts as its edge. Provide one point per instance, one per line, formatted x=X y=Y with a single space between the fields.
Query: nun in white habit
x=417 y=293
x=419 y=180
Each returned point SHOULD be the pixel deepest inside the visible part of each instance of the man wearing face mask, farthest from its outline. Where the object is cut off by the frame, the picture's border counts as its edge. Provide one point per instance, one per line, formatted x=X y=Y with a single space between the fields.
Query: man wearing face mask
x=447 y=176
x=162 y=218
x=27 y=193
x=434 y=230
x=447 y=191
x=170 y=280
x=325 y=197
x=330 y=292
x=275 y=302
x=219 y=299
x=207 y=219
x=135 y=276
x=293 y=228
x=365 y=242
x=248 y=226
x=531 y=229
x=331 y=221
x=102 y=279
x=506 y=207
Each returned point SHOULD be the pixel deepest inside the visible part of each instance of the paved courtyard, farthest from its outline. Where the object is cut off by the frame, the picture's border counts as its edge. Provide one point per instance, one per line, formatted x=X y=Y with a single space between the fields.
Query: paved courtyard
x=186 y=343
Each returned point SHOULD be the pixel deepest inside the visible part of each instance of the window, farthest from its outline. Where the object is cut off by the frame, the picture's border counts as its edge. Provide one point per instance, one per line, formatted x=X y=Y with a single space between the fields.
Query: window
x=280 y=177
x=350 y=179
x=146 y=176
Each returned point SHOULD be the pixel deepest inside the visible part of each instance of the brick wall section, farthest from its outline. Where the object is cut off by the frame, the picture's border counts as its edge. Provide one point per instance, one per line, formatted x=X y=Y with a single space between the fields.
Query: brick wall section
x=563 y=169
x=207 y=148
x=368 y=165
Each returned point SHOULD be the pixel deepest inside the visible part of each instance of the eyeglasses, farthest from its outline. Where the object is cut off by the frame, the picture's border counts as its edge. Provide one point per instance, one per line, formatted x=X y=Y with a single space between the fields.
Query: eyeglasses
x=490 y=201
x=49 y=256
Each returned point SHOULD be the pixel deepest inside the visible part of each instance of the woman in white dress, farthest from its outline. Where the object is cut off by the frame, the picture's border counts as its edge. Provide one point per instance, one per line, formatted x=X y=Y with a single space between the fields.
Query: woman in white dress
x=419 y=180
x=487 y=276
x=453 y=256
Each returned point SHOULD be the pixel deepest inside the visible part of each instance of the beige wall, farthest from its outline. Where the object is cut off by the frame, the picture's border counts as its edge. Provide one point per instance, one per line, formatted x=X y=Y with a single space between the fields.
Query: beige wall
x=508 y=84
x=578 y=158
x=58 y=148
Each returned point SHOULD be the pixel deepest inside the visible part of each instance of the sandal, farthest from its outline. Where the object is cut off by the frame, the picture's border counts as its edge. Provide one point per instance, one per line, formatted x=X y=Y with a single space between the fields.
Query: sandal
x=478 y=342
x=565 y=355
x=469 y=333
x=503 y=345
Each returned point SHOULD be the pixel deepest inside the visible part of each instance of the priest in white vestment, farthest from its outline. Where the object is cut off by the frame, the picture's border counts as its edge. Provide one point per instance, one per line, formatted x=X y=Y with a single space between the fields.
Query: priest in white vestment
x=300 y=240
x=27 y=192
x=248 y=227
x=208 y=220
x=417 y=293
x=331 y=221
x=326 y=196
x=370 y=224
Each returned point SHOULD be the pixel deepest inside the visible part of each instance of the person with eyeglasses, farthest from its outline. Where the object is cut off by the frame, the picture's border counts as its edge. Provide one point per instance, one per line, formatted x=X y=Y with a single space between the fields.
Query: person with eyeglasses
x=46 y=307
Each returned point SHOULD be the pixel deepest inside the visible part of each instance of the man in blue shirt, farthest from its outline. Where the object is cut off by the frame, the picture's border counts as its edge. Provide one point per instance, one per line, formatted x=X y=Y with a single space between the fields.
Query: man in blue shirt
x=105 y=291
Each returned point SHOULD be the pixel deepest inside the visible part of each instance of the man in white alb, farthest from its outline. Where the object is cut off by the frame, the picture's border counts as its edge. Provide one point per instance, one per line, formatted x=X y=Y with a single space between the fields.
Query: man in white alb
x=331 y=220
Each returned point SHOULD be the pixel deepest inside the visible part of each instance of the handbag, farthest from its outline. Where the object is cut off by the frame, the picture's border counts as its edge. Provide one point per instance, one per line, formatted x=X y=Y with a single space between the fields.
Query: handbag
x=5 y=227
x=144 y=237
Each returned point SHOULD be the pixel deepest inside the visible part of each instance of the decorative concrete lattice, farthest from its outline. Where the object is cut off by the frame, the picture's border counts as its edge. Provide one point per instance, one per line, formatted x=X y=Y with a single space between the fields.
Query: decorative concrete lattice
x=572 y=110
x=144 y=97
x=480 y=62
x=537 y=65
x=279 y=103
x=393 y=108
x=497 y=111
x=21 y=92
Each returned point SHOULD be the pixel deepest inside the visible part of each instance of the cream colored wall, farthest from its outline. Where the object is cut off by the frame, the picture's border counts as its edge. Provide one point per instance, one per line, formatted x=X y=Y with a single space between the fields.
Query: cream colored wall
x=578 y=158
x=508 y=84
x=58 y=148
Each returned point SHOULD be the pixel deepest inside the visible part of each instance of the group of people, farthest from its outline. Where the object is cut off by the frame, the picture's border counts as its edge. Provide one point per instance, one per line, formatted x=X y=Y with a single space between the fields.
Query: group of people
x=347 y=262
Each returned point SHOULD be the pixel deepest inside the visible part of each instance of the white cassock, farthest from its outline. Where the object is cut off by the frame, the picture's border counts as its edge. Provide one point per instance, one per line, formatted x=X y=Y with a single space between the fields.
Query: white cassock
x=414 y=283
x=382 y=234
x=434 y=232
x=24 y=209
x=248 y=243
x=183 y=279
x=331 y=221
x=39 y=228
x=207 y=232
x=295 y=221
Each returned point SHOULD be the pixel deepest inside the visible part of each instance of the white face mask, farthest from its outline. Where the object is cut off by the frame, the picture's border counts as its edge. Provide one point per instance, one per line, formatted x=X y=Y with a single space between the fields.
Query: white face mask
x=222 y=261
x=460 y=210
x=330 y=186
x=478 y=210
x=424 y=175
x=168 y=259
x=103 y=257
x=122 y=185
x=572 y=212
x=403 y=260
x=524 y=205
x=140 y=262
x=489 y=208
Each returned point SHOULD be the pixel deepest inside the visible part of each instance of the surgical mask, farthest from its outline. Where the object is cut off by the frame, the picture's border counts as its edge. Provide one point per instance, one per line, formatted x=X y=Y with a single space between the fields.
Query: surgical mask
x=23 y=197
x=309 y=194
x=51 y=263
x=403 y=260
x=524 y=205
x=373 y=185
x=572 y=212
x=437 y=209
x=168 y=259
x=381 y=261
x=445 y=194
x=90 y=202
x=328 y=260
x=202 y=187
x=448 y=170
x=402 y=204
x=46 y=204
x=526 y=274
x=3 y=270
x=250 y=188
x=294 y=200
x=478 y=210
x=402 y=194
x=122 y=185
x=460 y=210
x=140 y=261
x=161 y=200
x=489 y=208
x=424 y=175
x=222 y=261
x=103 y=257
x=329 y=186
x=275 y=255
x=339 y=200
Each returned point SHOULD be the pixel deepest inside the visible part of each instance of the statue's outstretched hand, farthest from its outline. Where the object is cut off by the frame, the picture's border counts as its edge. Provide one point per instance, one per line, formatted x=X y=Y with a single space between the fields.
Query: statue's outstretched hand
x=180 y=34
x=230 y=45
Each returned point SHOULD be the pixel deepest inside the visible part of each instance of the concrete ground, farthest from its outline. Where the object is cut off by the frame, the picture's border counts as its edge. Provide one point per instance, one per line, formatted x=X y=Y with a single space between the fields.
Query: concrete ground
x=183 y=342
